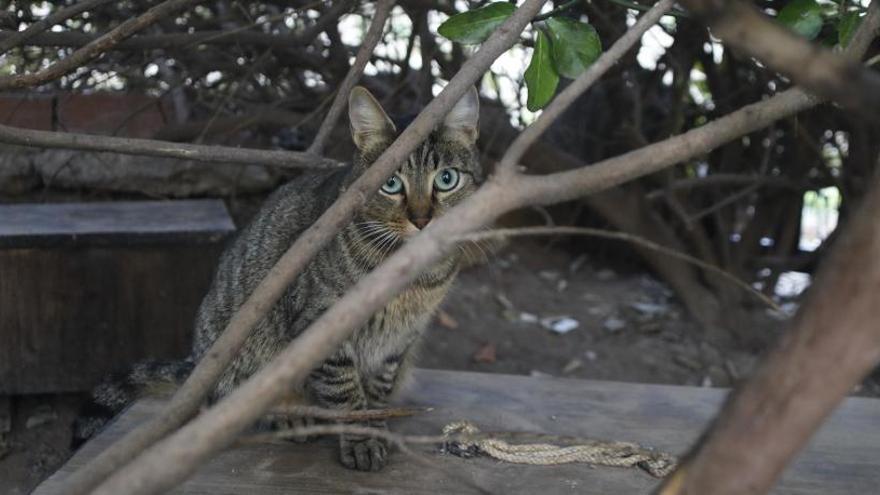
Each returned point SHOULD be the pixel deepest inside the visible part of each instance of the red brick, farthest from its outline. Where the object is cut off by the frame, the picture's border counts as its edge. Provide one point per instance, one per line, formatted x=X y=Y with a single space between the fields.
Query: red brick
x=30 y=112
x=110 y=114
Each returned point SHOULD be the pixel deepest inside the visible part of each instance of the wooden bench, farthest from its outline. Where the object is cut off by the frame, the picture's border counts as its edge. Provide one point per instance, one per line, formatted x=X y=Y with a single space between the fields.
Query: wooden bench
x=841 y=459
x=88 y=288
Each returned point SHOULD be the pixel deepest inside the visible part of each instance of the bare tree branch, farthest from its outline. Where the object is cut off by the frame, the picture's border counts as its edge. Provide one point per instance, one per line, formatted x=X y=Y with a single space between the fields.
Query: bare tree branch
x=97 y=47
x=140 y=478
x=171 y=460
x=346 y=416
x=833 y=343
x=336 y=10
x=571 y=184
x=171 y=40
x=12 y=40
x=726 y=180
x=565 y=98
x=374 y=34
x=151 y=147
x=813 y=67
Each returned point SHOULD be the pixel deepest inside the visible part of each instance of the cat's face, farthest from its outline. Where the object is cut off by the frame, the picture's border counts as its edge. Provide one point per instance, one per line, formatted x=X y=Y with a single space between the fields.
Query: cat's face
x=439 y=174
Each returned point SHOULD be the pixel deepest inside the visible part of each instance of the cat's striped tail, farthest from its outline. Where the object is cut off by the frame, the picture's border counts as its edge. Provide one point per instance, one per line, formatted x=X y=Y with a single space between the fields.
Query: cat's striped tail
x=120 y=390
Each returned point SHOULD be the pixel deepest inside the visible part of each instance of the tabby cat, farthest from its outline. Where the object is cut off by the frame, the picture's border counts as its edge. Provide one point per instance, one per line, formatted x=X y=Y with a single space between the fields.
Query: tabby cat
x=366 y=370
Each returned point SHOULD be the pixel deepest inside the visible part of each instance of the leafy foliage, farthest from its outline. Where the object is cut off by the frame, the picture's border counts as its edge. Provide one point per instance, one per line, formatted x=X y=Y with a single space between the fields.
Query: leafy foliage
x=474 y=26
x=802 y=16
x=563 y=46
x=541 y=76
x=847 y=27
x=575 y=45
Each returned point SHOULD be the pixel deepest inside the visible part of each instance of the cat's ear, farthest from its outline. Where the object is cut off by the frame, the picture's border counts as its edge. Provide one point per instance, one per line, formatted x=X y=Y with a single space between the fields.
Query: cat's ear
x=369 y=123
x=462 y=122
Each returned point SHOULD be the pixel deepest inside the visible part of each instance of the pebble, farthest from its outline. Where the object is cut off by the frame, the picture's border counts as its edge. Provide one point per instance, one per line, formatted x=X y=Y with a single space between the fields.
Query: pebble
x=649 y=309
x=613 y=324
x=42 y=415
x=577 y=263
x=687 y=362
x=600 y=310
x=503 y=301
x=528 y=317
x=560 y=324
x=572 y=366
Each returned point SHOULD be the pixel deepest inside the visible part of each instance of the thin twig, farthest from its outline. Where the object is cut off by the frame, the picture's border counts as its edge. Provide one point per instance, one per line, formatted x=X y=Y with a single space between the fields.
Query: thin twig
x=813 y=67
x=402 y=442
x=644 y=8
x=508 y=162
x=729 y=200
x=558 y=10
x=142 y=472
x=621 y=236
x=18 y=38
x=344 y=415
x=165 y=149
x=170 y=461
x=834 y=341
x=371 y=39
x=94 y=49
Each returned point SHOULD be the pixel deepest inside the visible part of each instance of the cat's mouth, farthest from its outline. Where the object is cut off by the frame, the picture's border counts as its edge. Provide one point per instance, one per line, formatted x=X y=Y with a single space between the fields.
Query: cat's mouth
x=409 y=230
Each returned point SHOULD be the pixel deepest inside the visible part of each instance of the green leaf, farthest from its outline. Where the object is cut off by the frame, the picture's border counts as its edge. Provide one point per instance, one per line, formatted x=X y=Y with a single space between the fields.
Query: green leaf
x=474 y=26
x=847 y=26
x=541 y=76
x=803 y=16
x=575 y=45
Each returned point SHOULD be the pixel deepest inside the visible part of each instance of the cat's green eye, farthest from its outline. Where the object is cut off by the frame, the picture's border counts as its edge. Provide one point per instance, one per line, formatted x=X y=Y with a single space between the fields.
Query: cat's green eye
x=446 y=179
x=393 y=185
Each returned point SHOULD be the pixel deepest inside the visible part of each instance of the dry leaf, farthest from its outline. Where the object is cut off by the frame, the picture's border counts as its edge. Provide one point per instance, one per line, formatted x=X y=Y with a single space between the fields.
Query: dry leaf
x=447 y=320
x=485 y=354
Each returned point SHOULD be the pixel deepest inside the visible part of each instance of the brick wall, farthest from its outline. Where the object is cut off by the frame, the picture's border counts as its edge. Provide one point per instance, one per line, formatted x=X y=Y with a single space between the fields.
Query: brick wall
x=126 y=115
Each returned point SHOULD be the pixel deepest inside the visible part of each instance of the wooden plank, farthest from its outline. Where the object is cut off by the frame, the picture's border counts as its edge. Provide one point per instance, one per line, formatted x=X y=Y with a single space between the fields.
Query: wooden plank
x=71 y=316
x=841 y=459
x=113 y=222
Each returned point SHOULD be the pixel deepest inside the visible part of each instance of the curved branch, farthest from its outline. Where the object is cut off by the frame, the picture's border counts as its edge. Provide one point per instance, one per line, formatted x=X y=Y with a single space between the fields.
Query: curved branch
x=142 y=472
x=371 y=39
x=171 y=460
x=165 y=149
x=12 y=40
x=832 y=344
x=97 y=47
x=571 y=184
x=564 y=99
x=170 y=40
x=811 y=66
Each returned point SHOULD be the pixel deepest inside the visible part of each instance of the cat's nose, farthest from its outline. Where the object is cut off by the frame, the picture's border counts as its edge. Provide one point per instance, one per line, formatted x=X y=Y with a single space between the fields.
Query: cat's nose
x=421 y=222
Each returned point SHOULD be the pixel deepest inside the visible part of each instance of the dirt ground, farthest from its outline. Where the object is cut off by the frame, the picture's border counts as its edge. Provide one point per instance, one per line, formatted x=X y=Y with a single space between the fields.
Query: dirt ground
x=499 y=318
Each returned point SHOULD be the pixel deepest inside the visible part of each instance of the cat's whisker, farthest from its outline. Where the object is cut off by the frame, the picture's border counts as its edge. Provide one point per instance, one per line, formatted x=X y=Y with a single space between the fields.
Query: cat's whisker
x=376 y=245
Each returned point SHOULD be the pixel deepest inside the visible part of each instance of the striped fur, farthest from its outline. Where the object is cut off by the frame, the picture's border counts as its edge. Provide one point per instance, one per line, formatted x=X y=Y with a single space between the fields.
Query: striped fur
x=367 y=369
x=369 y=366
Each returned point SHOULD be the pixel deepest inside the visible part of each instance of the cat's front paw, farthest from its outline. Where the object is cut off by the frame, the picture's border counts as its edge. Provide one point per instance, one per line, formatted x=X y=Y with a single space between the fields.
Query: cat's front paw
x=363 y=454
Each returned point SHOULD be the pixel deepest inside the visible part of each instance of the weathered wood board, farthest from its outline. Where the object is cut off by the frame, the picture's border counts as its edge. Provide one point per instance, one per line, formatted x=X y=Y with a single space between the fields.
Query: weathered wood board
x=841 y=459
x=115 y=223
x=90 y=288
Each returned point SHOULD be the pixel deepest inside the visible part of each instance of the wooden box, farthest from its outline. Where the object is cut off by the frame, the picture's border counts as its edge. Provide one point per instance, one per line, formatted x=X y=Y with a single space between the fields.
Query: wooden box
x=89 y=288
